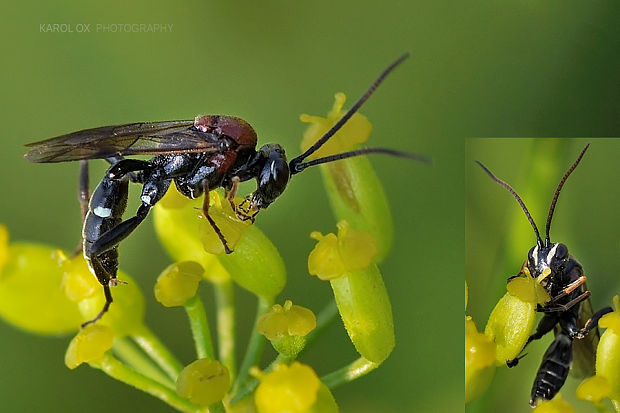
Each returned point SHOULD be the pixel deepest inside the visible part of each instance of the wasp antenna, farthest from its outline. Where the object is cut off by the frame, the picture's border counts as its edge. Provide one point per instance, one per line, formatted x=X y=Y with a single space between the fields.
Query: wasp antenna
x=557 y=192
x=517 y=197
x=365 y=151
x=297 y=161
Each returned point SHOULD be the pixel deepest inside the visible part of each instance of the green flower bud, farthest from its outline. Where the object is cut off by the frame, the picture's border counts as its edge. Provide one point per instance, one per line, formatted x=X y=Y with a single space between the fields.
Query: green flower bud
x=355 y=192
x=361 y=296
x=31 y=297
x=255 y=263
x=286 y=327
x=512 y=321
x=204 y=382
x=89 y=345
x=178 y=283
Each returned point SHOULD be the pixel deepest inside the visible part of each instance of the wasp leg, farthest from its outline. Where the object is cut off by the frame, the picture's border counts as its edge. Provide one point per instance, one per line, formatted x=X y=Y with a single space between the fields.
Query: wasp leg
x=83 y=198
x=106 y=280
x=232 y=193
x=570 y=288
x=545 y=325
x=591 y=324
x=567 y=306
x=139 y=166
x=205 y=212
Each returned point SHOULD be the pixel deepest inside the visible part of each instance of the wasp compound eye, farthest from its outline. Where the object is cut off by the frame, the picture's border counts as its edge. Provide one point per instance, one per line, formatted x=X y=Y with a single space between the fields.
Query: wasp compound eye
x=561 y=252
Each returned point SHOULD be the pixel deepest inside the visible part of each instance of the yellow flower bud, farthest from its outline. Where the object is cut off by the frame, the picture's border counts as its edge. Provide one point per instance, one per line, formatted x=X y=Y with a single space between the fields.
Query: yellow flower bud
x=178 y=283
x=608 y=352
x=89 y=345
x=4 y=245
x=291 y=320
x=594 y=389
x=355 y=192
x=31 y=297
x=292 y=389
x=78 y=282
x=126 y=314
x=557 y=405
x=333 y=255
x=479 y=361
x=204 y=382
x=528 y=289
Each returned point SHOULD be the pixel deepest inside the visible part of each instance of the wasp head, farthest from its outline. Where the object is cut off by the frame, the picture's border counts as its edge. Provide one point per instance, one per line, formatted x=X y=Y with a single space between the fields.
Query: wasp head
x=547 y=262
x=273 y=175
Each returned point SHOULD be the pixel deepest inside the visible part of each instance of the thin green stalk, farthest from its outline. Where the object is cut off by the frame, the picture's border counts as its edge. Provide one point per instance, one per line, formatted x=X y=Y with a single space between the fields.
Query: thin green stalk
x=128 y=353
x=158 y=352
x=225 y=302
x=350 y=372
x=255 y=346
x=200 y=327
x=250 y=385
x=125 y=374
x=324 y=319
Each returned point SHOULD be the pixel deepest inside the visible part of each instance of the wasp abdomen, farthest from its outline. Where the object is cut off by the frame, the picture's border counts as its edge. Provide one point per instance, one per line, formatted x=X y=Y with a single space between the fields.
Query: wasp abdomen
x=553 y=370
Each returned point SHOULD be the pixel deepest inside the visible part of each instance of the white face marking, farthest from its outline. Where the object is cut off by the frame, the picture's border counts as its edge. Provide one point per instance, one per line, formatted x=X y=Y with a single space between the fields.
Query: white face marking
x=272 y=168
x=146 y=199
x=551 y=253
x=535 y=254
x=102 y=212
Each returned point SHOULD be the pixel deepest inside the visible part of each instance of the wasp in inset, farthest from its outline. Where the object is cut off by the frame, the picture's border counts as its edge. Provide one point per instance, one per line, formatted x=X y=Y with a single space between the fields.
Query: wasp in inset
x=199 y=155
x=569 y=312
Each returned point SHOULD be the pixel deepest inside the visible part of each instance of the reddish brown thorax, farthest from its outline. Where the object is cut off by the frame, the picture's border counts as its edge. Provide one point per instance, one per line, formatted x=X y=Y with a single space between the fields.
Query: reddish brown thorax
x=238 y=129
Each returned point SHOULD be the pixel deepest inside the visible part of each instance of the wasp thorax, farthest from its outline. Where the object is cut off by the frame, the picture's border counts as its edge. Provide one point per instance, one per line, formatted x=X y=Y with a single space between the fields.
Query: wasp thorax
x=273 y=174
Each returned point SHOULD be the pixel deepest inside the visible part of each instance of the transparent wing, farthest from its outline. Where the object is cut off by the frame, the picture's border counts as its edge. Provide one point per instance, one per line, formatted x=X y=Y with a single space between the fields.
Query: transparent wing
x=584 y=350
x=178 y=136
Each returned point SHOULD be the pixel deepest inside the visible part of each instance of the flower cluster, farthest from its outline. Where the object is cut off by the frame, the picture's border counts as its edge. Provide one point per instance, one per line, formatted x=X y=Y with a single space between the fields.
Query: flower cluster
x=122 y=346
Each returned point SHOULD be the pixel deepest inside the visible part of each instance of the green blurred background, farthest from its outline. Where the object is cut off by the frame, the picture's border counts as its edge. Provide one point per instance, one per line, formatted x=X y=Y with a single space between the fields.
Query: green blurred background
x=491 y=68
x=499 y=236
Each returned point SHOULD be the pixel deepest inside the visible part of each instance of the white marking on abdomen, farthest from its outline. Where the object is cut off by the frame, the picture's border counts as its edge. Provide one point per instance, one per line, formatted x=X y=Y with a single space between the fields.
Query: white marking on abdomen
x=102 y=212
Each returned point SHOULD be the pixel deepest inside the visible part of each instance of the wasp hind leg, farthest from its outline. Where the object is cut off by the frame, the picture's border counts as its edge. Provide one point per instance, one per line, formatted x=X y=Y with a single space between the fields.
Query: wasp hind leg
x=106 y=281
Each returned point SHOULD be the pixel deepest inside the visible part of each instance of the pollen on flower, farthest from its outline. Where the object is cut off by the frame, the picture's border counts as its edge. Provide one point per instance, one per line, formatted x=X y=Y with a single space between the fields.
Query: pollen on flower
x=89 y=345
x=351 y=250
x=354 y=132
x=290 y=319
x=204 y=381
x=291 y=389
x=178 y=283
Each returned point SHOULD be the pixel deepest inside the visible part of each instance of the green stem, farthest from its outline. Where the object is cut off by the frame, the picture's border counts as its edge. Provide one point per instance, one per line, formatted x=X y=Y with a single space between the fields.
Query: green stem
x=350 y=372
x=324 y=319
x=255 y=346
x=217 y=408
x=125 y=374
x=128 y=353
x=158 y=352
x=200 y=327
x=250 y=385
x=225 y=302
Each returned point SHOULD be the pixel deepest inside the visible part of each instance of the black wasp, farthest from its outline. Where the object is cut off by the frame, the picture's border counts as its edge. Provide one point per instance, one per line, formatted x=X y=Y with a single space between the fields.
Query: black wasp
x=199 y=155
x=569 y=312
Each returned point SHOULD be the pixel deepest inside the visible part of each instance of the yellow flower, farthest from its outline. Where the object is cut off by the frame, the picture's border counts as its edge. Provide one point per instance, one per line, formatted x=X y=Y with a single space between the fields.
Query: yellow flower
x=178 y=283
x=204 y=382
x=479 y=361
x=594 y=389
x=528 y=289
x=293 y=389
x=225 y=218
x=557 y=405
x=608 y=352
x=89 y=345
x=287 y=326
x=334 y=256
x=31 y=297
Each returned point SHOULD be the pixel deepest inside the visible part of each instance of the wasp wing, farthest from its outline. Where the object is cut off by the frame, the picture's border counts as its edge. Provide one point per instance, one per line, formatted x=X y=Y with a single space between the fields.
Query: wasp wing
x=584 y=350
x=178 y=136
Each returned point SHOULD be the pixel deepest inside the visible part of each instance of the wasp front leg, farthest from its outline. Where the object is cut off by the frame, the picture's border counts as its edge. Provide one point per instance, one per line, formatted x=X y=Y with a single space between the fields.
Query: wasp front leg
x=205 y=212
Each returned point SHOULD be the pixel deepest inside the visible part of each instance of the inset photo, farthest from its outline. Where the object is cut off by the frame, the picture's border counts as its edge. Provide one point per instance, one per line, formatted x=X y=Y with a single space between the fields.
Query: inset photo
x=542 y=245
